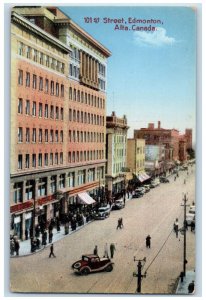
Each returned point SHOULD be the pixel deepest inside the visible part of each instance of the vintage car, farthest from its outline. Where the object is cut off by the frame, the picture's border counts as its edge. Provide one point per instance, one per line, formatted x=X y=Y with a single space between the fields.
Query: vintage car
x=118 y=204
x=154 y=183
x=92 y=263
x=164 y=180
x=102 y=212
x=137 y=194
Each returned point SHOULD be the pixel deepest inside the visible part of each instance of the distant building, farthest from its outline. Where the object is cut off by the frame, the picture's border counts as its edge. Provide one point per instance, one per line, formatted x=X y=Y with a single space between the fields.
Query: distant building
x=175 y=149
x=116 y=154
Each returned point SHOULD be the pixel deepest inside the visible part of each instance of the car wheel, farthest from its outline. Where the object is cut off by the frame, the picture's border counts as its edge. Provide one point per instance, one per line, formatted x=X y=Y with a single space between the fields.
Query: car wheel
x=85 y=271
x=109 y=268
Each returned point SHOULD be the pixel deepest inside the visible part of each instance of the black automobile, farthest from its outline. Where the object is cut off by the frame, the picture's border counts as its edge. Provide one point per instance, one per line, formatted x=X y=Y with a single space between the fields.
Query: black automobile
x=137 y=194
x=164 y=180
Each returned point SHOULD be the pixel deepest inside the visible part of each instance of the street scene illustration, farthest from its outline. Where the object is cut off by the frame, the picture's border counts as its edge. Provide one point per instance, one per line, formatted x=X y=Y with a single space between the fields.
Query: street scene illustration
x=102 y=156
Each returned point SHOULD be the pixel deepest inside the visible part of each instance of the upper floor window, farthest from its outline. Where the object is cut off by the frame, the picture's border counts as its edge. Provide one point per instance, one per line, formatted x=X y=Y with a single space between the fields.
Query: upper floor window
x=20 y=77
x=27 y=79
x=35 y=57
x=21 y=48
x=28 y=52
x=20 y=106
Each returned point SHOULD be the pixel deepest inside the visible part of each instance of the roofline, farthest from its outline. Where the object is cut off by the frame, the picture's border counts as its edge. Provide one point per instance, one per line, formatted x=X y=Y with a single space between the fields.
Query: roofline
x=15 y=17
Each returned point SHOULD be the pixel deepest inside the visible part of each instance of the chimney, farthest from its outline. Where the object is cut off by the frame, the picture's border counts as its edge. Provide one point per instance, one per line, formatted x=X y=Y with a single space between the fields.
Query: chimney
x=159 y=124
x=151 y=125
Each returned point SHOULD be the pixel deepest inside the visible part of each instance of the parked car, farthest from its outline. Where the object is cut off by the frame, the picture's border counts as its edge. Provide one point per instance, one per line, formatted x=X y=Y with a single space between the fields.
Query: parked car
x=147 y=188
x=189 y=218
x=140 y=190
x=92 y=263
x=118 y=204
x=137 y=194
x=154 y=183
x=102 y=212
x=164 y=180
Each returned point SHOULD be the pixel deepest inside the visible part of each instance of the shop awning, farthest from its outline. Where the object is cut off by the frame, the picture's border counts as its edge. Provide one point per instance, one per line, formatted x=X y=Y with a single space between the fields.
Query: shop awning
x=143 y=176
x=84 y=198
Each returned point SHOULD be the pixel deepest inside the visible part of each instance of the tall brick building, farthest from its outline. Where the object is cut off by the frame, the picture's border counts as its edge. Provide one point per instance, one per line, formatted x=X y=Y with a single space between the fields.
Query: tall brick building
x=174 y=143
x=58 y=115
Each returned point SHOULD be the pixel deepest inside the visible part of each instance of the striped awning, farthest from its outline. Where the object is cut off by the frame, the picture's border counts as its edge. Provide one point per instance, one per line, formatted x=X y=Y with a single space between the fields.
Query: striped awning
x=84 y=198
x=143 y=176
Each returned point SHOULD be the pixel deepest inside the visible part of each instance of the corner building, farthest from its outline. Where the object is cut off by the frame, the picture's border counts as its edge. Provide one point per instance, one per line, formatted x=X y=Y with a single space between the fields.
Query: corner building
x=58 y=108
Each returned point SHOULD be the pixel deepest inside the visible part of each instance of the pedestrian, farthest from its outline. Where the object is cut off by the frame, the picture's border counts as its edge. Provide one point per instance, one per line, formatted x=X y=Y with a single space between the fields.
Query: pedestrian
x=12 y=246
x=191 y=287
x=148 y=241
x=95 y=250
x=112 y=249
x=193 y=225
x=26 y=234
x=17 y=246
x=176 y=227
x=52 y=251
x=106 y=254
x=50 y=236
x=119 y=223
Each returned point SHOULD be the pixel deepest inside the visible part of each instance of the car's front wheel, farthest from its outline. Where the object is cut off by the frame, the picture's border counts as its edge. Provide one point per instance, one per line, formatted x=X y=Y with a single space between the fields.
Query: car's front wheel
x=109 y=268
x=85 y=271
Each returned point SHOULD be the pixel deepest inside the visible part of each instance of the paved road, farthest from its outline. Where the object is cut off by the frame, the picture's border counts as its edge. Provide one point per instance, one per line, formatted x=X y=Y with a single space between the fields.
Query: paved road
x=152 y=214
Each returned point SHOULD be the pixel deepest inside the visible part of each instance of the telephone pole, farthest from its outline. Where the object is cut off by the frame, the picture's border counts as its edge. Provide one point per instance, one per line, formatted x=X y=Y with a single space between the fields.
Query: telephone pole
x=140 y=265
x=184 y=232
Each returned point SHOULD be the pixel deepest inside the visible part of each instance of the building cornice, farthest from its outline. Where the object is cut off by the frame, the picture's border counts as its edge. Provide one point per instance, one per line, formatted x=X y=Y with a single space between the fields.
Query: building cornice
x=68 y=22
x=16 y=18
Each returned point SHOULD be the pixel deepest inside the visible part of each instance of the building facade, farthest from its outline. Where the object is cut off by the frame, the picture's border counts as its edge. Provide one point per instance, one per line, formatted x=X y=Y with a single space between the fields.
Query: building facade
x=58 y=115
x=116 y=154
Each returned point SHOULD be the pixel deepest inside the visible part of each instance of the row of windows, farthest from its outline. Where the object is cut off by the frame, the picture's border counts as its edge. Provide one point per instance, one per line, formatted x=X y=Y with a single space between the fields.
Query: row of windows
x=42 y=84
x=41 y=160
x=84 y=117
x=51 y=186
x=102 y=70
x=86 y=98
x=34 y=160
x=40 y=57
x=54 y=112
x=81 y=156
x=31 y=135
x=83 y=136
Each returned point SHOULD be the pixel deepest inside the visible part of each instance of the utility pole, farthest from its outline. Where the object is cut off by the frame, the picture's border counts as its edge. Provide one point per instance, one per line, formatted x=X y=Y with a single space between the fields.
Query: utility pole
x=140 y=265
x=184 y=232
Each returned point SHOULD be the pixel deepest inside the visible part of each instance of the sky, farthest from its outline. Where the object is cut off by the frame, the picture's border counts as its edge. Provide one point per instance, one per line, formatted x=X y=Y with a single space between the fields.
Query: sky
x=151 y=76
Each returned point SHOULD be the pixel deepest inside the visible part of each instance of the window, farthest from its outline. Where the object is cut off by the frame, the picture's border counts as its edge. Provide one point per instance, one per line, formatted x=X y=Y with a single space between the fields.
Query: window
x=51 y=135
x=20 y=106
x=73 y=156
x=46 y=133
x=46 y=111
x=69 y=157
x=27 y=108
x=27 y=161
x=47 y=60
x=62 y=68
x=28 y=52
x=42 y=187
x=20 y=160
x=52 y=87
x=29 y=190
x=53 y=63
x=57 y=89
x=27 y=79
x=62 y=114
x=75 y=95
x=21 y=48
x=51 y=159
x=35 y=55
x=56 y=136
x=71 y=179
x=20 y=134
x=61 y=158
x=74 y=115
x=40 y=110
x=81 y=176
x=56 y=158
x=40 y=83
x=34 y=84
x=70 y=93
x=46 y=159
x=70 y=136
x=78 y=96
x=85 y=98
x=52 y=112
x=61 y=136
x=34 y=108
x=40 y=135
x=70 y=69
x=40 y=160
x=20 y=77
x=74 y=136
x=41 y=58
x=27 y=135
x=34 y=160
x=18 y=192
x=46 y=85
x=57 y=113
x=62 y=90
x=34 y=135
x=70 y=114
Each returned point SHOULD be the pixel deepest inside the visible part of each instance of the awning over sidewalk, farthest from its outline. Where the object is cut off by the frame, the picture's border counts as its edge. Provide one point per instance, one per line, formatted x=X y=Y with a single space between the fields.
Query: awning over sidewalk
x=143 y=176
x=84 y=198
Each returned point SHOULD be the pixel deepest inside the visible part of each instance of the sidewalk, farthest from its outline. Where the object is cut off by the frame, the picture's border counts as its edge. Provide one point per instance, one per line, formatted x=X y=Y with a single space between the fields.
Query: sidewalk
x=182 y=287
x=25 y=246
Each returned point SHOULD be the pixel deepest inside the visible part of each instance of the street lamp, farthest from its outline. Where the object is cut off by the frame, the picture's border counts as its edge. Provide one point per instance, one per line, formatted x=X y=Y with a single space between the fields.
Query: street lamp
x=138 y=274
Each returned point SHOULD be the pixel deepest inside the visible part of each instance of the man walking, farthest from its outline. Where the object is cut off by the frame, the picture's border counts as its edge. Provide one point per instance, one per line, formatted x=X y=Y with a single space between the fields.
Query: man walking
x=52 y=251
x=95 y=250
x=148 y=241
x=112 y=249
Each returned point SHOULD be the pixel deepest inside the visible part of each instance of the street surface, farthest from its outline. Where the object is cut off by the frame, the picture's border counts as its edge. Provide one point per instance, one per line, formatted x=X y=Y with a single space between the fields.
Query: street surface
x=152 y=214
